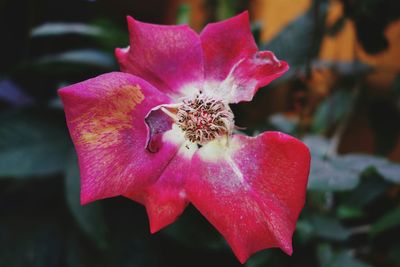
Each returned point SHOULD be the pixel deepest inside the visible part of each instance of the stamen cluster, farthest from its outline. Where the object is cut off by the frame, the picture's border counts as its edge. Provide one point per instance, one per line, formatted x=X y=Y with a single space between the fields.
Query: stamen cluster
x=203 y=119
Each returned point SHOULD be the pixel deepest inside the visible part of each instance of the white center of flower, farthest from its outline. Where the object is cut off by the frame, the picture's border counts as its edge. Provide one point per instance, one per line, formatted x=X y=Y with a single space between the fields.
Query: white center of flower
x=203 y=119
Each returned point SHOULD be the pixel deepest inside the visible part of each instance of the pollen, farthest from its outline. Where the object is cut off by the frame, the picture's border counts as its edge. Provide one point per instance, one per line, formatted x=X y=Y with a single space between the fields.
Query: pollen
x=203 y=119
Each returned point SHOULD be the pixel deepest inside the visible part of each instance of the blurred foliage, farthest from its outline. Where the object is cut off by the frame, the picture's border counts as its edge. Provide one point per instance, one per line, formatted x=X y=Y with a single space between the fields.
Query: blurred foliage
x=89 y=217
x=352 y=214
x=371 y=18
x=32 y=143
x=299 y=41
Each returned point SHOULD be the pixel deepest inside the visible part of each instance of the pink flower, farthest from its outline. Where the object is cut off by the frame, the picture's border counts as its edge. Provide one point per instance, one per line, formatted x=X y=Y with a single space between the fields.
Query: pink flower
x=161 y=134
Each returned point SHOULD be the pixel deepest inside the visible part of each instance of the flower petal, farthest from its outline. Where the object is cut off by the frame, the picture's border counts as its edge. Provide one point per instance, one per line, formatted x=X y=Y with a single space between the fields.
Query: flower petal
x=249 y=75
x=166 y=199
x=169 y=57
x=253 y=191
x=159 y=120
x=234 y=69
x=225 y=43
x=105 y=117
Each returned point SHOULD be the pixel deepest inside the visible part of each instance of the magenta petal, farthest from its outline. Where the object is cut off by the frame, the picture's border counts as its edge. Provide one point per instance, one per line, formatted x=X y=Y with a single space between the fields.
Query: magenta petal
x=169 y=57
x=253 y=191
x=166 y=199
x=224 y=44
x=158 y=123
x=234 y=69
x=253 y=73
x=105 y=117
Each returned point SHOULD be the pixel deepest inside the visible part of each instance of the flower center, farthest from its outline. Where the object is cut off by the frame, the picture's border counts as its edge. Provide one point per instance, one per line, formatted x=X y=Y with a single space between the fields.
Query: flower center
x=203 y=119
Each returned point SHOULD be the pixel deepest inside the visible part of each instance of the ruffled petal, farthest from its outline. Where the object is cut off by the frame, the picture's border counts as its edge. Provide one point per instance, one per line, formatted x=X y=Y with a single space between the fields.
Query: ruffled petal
x=166 y=199
x=234 y=69
x=105 y=117
x=158 y=122
x=224 y=44
x=249 y=75
x=252 y=191
x=169 y=57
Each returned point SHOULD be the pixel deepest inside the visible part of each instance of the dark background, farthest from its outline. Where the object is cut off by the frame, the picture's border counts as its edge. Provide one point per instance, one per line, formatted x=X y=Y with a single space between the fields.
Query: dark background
x=341 y=96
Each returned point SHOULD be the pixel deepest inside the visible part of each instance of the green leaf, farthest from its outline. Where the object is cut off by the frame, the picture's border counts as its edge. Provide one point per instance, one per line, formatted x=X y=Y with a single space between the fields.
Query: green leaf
x=226 y=9
x=329 y=175
x=331 y=110
x=89 y=217
x=342 y=258
x=349 y=69
x=260 y=259
x=325 y=174
x=283 y=123
x=256 y=29
x=388 y=221
x=304 y=230
x=349 y=212
x=371 y=187
x=112 y=34
x=84 y=56
x=293 y=43
x=325 y=255
x=343 y=172
x=329 y=228
x=359 y=162
x=32 y=143
x=296 y=42
x=54 y=29
x=183 y=16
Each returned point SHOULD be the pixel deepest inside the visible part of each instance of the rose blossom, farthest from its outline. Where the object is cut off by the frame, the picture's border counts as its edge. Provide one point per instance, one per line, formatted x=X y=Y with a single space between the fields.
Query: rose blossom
x=161 y=133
